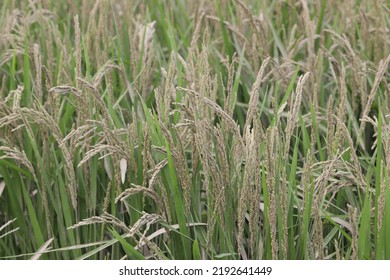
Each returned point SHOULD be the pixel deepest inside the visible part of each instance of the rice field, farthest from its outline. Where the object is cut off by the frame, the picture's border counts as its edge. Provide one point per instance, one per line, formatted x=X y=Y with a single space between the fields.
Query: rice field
x=178 y=129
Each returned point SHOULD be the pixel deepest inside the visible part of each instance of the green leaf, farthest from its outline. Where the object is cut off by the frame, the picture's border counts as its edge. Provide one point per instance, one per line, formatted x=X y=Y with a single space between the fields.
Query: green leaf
x=196 y=250
x=364 y=246
x=130 y=251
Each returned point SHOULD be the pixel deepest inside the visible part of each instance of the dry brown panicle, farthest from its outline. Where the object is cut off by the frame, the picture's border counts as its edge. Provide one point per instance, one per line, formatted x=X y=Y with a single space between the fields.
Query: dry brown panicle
x=38 y=72
x=180 y=164
x=382 y=68
x=46 y=122
x=318 y=239
x=77 y=47
x=2 y=227
x=155 y=172
x=310 y=34
x=352 y=213
x=145 y=154
x=293 y=114
x=233 y=127
x=271 y=156
x=330 y=131
x=20 y=157
x=319 y=194
x=97 y=98
x=337 y=249
x=230 y=99
x=346 y=136
x=156 y=184
x=254 y=95
x=140 y=189
x=145 y=221
x=381 y=200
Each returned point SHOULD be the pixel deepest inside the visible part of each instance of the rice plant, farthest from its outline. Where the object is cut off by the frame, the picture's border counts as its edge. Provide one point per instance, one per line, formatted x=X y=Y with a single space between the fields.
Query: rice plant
x=175 y=129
